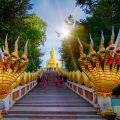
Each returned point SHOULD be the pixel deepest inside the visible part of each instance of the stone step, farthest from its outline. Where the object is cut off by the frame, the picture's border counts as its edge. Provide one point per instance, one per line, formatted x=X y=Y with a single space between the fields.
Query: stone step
x=51 y=116
x=54 y=112
x=52 y=109
x=52 y=95
x=51 y=102
x=54 y=105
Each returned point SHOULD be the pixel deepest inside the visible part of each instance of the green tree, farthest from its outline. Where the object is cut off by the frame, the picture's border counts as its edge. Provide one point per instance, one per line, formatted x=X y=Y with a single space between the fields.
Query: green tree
x=15 y=21
x=70 y=47
x=103 y=15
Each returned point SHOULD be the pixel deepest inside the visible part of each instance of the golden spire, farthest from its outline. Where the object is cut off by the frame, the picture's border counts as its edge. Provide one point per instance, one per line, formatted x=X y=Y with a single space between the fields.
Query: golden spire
x=80 y=46
x=25 y=49
x=111 y=44
x=82 y=54
x=101 y=47
x=6 y=49
x=16 y=45
x=24 y=56
x=91 y=50
x=15 y=55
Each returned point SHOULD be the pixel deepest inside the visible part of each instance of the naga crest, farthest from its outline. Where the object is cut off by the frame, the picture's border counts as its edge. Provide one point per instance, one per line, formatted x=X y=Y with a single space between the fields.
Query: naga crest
x=10 y=68
x=104 y=75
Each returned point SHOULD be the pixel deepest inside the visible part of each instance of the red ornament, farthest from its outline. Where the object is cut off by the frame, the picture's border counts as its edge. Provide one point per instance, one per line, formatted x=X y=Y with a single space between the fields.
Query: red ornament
x=110 y=61
x=118 y=61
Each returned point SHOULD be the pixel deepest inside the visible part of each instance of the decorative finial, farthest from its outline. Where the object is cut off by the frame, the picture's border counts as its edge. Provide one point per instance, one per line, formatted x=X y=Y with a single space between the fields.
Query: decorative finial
x=6 y=44
x=91 y=39
x=101 y=47
x=102 y=40
x=91 y=44
x=25 y=48
x=16 y=44
x=102 y=36
x=81 y=46
x=112 y=36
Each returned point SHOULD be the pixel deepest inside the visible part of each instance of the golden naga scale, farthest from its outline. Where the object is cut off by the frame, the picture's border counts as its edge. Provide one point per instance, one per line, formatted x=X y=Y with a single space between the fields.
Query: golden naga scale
x=102 y=67
x=12 y=69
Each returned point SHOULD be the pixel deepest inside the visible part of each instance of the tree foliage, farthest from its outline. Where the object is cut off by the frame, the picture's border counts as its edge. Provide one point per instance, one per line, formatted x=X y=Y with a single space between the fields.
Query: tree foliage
x=104 y=15
x=70 y=46
x=15 y=21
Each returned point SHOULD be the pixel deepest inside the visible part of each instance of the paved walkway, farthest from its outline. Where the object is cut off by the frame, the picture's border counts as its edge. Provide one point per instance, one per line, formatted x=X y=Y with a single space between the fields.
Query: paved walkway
x=52 y=103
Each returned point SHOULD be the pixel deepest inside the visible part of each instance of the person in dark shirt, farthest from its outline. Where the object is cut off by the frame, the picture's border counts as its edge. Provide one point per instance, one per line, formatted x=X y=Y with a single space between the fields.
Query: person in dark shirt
x=64 y=81
x=38 y=81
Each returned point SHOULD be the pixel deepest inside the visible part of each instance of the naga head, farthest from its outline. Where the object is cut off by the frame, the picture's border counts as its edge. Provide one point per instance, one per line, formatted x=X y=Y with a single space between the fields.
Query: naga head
x=14 y=55
x=102 y=50
x=92 y=52
x=6 y=50
x=24 y=58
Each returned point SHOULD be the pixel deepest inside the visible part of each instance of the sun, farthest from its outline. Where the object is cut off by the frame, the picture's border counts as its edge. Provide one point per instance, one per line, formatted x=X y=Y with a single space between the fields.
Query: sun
x=65 y=32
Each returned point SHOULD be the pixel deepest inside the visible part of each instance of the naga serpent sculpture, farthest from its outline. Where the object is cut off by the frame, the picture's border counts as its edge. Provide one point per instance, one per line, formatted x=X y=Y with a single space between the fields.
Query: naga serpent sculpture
x=11 y=67
x=103 y=70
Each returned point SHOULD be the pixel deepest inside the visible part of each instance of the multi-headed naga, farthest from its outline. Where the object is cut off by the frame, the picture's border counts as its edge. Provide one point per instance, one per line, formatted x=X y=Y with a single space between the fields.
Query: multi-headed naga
x=11 y=67
x=103 y=70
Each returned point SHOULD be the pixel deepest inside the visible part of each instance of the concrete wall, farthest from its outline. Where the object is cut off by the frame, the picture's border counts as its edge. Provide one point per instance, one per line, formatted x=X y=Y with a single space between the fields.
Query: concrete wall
x=18 y=93
x=87 y=93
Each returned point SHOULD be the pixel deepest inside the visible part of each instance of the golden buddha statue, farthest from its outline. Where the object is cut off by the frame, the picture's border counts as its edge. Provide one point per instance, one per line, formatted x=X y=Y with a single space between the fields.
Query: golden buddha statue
x=52 y=63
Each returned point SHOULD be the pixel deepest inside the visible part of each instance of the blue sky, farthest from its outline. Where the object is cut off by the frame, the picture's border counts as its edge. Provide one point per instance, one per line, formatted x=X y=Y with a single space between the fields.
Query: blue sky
x=54 y=12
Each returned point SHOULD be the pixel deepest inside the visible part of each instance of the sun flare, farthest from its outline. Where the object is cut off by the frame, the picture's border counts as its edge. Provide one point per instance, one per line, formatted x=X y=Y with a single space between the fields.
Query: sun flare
x=66 y=32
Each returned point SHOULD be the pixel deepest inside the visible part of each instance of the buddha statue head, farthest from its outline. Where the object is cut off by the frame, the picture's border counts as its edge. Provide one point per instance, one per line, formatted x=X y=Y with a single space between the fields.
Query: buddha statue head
x=52 y=53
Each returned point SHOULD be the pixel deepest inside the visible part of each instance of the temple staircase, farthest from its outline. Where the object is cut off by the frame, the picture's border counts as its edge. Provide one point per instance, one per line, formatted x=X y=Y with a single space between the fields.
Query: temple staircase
x=52 y=103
